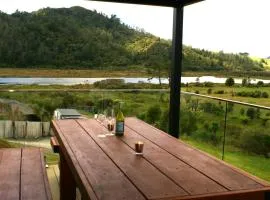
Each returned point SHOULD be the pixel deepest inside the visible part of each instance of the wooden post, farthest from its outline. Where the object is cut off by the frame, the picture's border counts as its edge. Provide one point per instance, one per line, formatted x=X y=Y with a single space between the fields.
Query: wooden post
x=267 y=195
x=67 y=183
x=175 y=77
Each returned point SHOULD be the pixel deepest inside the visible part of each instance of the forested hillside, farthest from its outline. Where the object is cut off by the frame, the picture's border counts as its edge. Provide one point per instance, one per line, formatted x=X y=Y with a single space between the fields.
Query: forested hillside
x=78 y=38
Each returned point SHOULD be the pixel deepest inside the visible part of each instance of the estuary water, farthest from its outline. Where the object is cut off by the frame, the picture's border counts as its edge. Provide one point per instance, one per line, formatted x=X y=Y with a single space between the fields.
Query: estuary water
x=75 y=81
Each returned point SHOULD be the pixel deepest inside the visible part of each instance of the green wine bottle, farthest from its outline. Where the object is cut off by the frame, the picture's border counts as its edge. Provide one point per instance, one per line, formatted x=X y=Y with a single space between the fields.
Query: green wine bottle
x=120 y=123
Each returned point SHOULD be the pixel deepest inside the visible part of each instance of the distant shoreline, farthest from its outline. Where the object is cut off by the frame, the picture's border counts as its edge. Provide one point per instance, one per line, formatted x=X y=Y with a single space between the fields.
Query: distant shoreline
x=129 y=72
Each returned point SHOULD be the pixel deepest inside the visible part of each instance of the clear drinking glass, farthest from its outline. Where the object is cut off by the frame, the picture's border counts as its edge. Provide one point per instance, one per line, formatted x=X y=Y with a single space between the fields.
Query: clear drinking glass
x=110 y=121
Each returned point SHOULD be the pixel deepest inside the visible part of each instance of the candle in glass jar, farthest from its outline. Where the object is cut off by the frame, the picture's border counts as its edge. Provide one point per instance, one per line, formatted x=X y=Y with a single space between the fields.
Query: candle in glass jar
x=139 y=147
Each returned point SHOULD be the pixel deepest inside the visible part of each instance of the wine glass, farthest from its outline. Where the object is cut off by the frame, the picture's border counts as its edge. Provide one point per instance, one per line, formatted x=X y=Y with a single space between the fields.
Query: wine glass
x=110 y=121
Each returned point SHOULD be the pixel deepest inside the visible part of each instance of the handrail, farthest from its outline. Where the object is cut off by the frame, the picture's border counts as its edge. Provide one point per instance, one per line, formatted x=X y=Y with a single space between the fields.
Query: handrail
x=135 y=90
x=227 y=100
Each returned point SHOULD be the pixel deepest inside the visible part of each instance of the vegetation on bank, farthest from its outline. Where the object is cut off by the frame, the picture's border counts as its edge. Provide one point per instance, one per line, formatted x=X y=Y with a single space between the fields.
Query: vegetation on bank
x=5 y=144
x=77 y=38
x=130 y=71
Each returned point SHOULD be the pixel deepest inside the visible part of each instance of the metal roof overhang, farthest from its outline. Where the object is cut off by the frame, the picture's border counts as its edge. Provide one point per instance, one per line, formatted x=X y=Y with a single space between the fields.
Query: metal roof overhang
x=167 y=3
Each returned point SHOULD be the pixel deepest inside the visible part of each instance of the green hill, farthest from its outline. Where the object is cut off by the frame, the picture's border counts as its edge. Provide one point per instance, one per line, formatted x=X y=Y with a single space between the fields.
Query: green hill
x=79 y=38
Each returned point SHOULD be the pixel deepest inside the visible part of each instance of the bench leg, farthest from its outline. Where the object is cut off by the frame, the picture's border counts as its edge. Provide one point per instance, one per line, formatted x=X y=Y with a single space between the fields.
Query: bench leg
x=67 y=183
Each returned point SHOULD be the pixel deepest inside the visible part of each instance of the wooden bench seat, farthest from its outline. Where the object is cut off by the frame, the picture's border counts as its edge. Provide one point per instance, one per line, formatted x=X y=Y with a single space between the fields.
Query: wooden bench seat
x=23 y=175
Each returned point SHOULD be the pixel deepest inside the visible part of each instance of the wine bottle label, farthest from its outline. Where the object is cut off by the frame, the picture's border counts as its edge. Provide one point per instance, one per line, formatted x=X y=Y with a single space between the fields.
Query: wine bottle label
x=119 y=129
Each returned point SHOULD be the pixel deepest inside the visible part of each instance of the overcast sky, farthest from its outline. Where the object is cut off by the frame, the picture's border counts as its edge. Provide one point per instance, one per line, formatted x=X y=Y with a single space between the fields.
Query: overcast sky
x=228 y=25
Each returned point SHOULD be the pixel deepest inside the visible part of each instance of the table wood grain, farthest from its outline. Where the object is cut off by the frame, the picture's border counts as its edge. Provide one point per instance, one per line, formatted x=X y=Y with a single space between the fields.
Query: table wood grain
x=106 y=167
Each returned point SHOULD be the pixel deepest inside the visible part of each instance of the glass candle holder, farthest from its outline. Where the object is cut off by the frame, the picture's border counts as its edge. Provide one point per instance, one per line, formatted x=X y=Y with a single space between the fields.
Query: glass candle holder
x=139 y=148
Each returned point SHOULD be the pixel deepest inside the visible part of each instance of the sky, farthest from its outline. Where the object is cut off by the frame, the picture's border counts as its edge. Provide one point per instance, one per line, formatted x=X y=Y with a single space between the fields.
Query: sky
x=219 y=25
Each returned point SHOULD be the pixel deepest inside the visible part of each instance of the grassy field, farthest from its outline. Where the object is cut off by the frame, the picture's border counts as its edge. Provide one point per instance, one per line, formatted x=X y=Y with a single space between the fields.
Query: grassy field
x=254 y=164
x=230 y=93
x=131 y=71
x=21 y=72
x=5 y=144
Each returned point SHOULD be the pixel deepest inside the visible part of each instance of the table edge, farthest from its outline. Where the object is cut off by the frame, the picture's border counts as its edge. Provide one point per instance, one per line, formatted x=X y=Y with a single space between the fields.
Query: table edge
x=260 y=181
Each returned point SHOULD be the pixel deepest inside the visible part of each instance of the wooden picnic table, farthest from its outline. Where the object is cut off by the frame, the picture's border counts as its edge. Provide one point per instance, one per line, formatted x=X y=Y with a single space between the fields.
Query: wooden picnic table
x=106 y=167
x=23 y=175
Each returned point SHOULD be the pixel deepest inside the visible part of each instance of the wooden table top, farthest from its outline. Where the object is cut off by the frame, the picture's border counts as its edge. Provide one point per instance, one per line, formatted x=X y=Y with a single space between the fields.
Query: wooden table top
x=23 y=175
x=106 y=167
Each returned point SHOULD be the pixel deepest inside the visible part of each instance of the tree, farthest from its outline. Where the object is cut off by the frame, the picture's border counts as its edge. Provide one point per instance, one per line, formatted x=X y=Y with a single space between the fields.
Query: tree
x=229 y=82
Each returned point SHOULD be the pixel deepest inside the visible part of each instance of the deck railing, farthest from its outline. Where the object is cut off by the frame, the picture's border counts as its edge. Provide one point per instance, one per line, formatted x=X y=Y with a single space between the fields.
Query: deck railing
x=236 y=132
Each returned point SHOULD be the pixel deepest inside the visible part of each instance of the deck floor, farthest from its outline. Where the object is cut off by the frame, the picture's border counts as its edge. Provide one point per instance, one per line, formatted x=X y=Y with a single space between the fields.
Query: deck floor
x=53 y=176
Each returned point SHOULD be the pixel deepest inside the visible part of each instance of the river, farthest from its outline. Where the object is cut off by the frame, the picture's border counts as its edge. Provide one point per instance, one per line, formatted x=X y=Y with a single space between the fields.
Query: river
x=75 y=81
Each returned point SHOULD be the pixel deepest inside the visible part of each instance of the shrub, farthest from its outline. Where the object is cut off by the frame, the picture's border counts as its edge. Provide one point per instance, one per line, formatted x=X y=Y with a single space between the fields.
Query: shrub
x=188 y=122
x=141 y=116
x=164 y=121
x=103 y=104
x=254 y=94
x=110 y=84
x=206 y=126
x=265 y=95
x=258 y=143
x=242 y=111
x=234 y=131
x=220 y=92
x=153 y=114
x=194 y=104
x=209 y=91
x=209 y=84
x=212 y=108
x=229 y=82
x=251 y=113
x=69 y=100
x=244 y=120
x=242 y=94
x=258 y=113
x=244 y=82
x=260 y=83
x=264 y=120
x=230 y=106
x=214 y=129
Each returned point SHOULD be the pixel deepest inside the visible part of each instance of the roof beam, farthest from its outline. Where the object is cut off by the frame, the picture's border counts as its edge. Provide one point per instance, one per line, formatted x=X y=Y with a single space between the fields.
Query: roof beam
x=167 y=3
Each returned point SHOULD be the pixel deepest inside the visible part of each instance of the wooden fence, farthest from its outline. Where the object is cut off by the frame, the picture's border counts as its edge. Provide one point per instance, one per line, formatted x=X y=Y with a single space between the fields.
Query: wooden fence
x=24 y=129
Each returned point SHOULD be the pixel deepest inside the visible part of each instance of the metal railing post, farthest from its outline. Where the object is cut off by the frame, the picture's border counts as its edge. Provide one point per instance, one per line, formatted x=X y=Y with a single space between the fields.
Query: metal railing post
x=224 y=133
